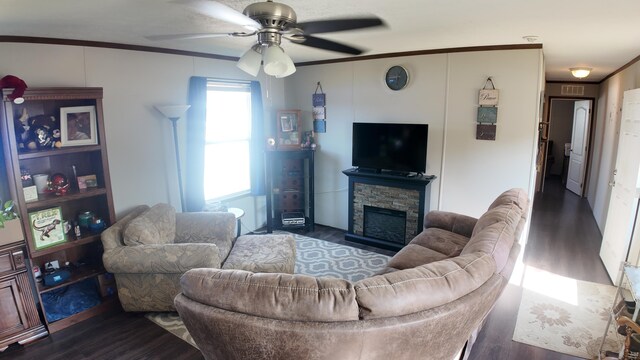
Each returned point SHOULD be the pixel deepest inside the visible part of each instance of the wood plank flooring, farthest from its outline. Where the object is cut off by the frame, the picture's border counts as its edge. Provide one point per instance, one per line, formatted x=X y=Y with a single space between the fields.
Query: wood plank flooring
x=563 y=239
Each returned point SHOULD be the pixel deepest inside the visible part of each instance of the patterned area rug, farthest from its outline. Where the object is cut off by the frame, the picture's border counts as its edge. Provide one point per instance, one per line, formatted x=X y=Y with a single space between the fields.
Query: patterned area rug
x=565 y=315
x=313 y=257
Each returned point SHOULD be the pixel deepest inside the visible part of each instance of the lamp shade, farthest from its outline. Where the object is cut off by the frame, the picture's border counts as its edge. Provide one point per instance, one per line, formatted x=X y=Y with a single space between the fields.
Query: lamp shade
x=291 y=68
x=275 y=61
x=172 y=111
x=250 y=62
x=580 y=72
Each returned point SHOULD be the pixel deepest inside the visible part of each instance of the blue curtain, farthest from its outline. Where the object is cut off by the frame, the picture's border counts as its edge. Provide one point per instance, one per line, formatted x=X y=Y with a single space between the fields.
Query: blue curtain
x=257 y=141
x=196 y=127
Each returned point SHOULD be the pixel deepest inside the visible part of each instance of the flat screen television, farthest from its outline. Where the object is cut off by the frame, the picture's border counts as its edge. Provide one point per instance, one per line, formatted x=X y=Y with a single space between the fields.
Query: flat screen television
x=400 y=148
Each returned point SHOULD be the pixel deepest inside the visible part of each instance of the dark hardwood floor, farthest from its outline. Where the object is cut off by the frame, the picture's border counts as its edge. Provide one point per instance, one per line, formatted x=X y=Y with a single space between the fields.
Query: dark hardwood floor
x=563 y=239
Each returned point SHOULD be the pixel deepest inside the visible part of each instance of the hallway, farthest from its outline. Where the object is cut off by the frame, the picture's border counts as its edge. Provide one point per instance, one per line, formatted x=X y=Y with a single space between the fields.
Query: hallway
x=564 y=240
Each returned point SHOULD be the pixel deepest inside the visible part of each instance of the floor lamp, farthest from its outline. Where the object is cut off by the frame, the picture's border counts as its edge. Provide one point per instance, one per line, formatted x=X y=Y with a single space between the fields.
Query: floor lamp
x=174 y=113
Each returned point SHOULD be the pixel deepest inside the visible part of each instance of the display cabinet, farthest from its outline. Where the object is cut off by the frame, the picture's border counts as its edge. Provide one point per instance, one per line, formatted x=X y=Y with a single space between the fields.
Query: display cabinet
x=58 y=134
x=290 y=193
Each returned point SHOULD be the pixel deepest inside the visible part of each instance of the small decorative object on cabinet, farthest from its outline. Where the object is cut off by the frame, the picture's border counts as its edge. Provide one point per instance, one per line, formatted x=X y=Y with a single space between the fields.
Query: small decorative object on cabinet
x=290 y=193
x=72 y=262
x=289 y=129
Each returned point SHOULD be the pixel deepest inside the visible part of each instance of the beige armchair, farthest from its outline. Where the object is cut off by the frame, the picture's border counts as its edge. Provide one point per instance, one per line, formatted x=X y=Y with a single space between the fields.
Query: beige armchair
x=150 y=248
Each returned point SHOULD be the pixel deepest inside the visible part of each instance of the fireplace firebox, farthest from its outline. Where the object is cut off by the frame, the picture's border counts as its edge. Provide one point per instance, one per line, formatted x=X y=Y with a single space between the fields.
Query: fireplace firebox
x=385 y=224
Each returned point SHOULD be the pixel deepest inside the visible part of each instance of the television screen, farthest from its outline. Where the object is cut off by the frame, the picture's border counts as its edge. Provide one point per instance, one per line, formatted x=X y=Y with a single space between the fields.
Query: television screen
x=394 y=147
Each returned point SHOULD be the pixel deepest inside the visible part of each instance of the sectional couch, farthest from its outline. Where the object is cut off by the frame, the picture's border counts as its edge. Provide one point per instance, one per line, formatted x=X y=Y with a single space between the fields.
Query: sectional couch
x=426 y=304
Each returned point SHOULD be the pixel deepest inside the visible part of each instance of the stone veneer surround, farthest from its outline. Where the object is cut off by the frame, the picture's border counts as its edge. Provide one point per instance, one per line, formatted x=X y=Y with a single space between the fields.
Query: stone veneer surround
x=386 y=197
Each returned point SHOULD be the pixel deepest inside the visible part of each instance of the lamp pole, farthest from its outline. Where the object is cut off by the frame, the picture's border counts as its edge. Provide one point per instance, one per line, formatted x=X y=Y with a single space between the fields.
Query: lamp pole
x=174 y=113
x=174 y=122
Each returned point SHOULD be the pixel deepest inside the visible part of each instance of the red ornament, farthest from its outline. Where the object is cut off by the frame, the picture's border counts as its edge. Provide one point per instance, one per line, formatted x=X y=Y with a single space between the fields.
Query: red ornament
x=18 y=85
x=59 y=184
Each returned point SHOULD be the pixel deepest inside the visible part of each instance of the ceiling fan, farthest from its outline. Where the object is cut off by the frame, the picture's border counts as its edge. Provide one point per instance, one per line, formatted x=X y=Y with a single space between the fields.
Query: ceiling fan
x=270 y=22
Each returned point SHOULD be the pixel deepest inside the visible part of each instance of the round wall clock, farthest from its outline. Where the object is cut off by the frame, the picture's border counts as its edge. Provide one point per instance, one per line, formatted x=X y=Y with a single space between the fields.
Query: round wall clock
x=396 y=78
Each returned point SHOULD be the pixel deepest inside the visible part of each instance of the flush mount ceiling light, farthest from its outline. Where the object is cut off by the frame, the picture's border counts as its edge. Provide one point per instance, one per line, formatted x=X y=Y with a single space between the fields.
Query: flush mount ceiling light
x=580 y=72
x=270 y=22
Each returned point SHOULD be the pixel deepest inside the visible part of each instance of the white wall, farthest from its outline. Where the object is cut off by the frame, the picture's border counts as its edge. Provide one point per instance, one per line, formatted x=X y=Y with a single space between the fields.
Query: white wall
x=139 y=140
x=442 y=92
x=606 y=135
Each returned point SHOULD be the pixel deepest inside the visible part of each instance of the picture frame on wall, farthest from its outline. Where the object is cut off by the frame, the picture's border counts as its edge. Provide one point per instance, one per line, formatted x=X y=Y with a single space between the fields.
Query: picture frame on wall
x=47 y=228
x=289 y=127
x=78 y=126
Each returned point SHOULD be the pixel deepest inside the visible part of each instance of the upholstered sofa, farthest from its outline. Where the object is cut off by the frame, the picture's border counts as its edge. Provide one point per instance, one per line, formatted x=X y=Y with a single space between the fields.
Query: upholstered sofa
x=149 y=249
x=430 y=299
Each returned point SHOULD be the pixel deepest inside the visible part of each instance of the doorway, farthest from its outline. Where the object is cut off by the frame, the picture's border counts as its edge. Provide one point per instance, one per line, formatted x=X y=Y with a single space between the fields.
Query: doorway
x=567 y=150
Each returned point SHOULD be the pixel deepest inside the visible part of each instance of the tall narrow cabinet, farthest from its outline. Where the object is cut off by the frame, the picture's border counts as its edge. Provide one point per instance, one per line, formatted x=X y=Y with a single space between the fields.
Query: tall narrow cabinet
x=79 y=257
x=290 y=189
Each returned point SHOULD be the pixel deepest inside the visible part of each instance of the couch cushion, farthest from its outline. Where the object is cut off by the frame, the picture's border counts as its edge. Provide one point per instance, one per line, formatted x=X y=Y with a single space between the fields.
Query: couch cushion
x=155 y=226
x=445 y=242
x=275 y=296
x=494 y=233
x=414 y=255
x=423 y=287
x=433 y=244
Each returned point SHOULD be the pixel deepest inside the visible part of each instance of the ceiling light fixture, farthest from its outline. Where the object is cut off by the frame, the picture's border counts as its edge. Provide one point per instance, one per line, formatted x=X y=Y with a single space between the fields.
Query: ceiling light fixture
x=251 y=60
x=271 y=56
x=580 y=72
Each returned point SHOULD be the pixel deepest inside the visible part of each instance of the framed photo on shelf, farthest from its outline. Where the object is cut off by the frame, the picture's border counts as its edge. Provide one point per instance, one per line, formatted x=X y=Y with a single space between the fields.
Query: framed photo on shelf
x=78 y=126
x=87 y=181
x=289 y=129
x=47 y=228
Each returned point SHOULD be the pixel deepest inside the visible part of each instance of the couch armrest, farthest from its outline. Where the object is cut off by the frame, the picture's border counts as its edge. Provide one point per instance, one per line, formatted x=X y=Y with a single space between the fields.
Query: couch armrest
x=456 y=223
x=161 y=259
x=205 y=227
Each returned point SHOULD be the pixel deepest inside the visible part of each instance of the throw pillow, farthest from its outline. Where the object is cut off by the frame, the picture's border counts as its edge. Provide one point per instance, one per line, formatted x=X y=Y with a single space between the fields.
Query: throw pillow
x=155 y=226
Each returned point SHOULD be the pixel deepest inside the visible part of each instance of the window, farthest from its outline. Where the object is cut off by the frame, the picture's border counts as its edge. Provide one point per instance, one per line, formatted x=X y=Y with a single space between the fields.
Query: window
x=227 y=140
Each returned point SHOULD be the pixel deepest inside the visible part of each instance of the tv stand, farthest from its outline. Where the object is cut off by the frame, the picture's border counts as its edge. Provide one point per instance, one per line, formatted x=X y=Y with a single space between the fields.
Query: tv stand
x=397 y=173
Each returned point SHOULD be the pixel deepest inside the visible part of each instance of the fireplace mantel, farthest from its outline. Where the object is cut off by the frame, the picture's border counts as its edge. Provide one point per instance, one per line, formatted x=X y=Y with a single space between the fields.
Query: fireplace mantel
x=410 y=194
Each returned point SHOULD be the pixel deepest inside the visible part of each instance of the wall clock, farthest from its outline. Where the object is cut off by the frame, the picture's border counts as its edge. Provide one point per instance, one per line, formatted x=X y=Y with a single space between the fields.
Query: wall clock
x=396 y=77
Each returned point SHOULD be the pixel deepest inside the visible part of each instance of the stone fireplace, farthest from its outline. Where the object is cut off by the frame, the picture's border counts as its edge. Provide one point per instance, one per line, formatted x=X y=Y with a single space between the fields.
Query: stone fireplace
x=386 y=210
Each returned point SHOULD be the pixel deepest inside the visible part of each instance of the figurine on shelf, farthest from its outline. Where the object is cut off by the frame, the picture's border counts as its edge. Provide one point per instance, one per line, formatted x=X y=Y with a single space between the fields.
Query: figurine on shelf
x=22 y=129
x=308 y=140
x=58 y=184
x=44 y=133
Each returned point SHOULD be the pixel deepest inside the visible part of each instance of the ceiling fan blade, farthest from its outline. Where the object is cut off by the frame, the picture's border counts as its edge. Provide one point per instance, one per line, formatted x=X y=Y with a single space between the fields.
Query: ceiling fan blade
x=319 y=43
x=187 y=36
x=220 y=11
x=324 y=26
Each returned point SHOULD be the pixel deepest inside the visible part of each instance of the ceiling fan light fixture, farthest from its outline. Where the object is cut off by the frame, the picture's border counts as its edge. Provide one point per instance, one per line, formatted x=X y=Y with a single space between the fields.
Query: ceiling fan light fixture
x=275 y=61
x=291 y=68
x=250 y=61
x=580 y=72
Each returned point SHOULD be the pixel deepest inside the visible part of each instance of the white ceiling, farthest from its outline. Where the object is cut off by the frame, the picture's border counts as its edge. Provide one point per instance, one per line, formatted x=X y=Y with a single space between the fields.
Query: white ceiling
x=603 y=35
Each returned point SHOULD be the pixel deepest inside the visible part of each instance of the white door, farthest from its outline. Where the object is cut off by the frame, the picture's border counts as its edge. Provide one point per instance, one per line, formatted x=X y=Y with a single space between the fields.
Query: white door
x=625 y=190
x=579 y=139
